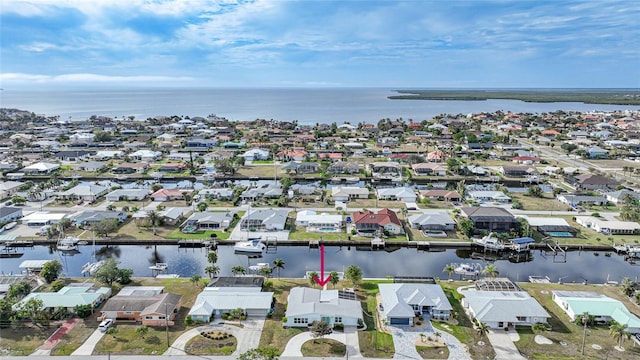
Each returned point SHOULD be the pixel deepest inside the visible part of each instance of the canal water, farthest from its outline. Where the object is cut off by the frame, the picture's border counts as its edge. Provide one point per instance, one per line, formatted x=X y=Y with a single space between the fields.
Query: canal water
x=576 y=267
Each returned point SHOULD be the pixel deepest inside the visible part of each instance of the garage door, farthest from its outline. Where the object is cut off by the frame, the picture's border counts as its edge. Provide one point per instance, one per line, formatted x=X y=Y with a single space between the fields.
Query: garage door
x=399 y=321
x=256 y=312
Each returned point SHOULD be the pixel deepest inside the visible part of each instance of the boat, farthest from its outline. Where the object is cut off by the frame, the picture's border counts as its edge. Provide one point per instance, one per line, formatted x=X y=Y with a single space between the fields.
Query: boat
x=10 y=225
x=537 y=279
x=91 y=267
x=159 y=267
x=67 y=244
x=252 y=246
x=19 y=243
x=468 y=269
x=258 y=266
x=489 y=242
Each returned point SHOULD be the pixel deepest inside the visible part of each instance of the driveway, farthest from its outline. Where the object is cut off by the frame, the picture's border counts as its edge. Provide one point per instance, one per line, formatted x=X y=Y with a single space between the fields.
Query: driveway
x=349 y=337
x=404 y=341
x=502 y=342
x=90 y=344
x=248 y=337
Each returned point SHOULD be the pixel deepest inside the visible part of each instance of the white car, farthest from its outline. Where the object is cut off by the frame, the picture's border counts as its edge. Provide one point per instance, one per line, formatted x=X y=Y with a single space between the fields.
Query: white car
x=105 y=325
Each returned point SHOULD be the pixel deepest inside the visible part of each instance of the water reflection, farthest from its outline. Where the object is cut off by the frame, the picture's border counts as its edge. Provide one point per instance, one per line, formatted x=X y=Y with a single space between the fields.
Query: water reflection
x=108 y=252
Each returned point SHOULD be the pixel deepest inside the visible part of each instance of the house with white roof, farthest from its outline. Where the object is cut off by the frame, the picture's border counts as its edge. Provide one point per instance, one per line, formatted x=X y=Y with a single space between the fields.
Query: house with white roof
x=255 y=154
x=146 y=155
x=85 y=191
x=42 y=218
x=219 y=300
x=432 y=220
x=108 y=154
x=315 y=222
x=604 y=308
x=265 y=219
x=306 y=305
x=128 y=194
x=40 y=168
x=489 y=196
x=344 y=193
x=503 y=309
x=401 y=303
x=8 y=188
x=620 y=196
x=397 y=194
x=609 y=227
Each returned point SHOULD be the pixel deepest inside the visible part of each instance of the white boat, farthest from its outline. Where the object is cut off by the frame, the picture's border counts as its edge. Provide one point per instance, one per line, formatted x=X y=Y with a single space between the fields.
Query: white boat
x=489 y=242
x=67 y=244
x=252 y=246
x=10 y=225
x=159 y=267
x=468 y=269
x=91 y=267
x=538 y=279
x=258 y=266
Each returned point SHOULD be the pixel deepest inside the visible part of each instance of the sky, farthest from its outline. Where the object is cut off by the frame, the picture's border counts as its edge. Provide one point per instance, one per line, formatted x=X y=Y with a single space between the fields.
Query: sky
x=320 y=43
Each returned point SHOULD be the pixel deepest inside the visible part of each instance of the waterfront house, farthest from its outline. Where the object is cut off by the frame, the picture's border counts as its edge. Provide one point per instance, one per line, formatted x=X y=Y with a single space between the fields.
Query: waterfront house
x=306 y=305
x=368 y=223
x=432 y=220
x=502 y=308
x=292 y=155
x=169 y=194
x=85 y=192
x=264 y=219
x=146 y=155
x=8 y=188
x=172 y=168
x=40 y=168
x=208 y=220
x=90 y=166
x=620 y=196
x=574 y=200
x=591 y=182
x=200 y=143
x=491 y=219
x=300 y=167
x=224 y=194
x=255 y=154
x=315 y=222
x=439 y=194
x=433 y=169
x=518 y=170
x=42 y=218
x=603 y=308
x=346 y=193
x=396 y=194
x=91 y=217
x=401 y=303
x=609 y=227
x=130 y=168
x=9 y=214
x=215 y=300
x=343 y=167
x=127 y=195
x=270 y=190
x=73 y=155
x=385 y=168
x=488 y=196
x=148 y=305
x=70 y=296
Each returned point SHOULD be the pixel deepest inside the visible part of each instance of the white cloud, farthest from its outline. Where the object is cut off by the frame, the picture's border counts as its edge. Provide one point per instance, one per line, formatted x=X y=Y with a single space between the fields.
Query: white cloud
x=88 y=78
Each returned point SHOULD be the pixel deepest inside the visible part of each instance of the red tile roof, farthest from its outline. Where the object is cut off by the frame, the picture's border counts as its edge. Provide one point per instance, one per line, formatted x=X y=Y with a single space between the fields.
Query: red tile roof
x=382 y=218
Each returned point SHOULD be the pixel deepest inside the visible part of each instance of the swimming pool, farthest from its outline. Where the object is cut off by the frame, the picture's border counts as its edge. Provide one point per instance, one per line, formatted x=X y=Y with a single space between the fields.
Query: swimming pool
x=560 y=234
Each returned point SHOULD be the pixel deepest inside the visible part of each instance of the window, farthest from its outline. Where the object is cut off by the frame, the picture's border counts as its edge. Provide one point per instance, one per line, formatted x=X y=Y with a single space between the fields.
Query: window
x=521 y=318
x=300 y=320
x=161 y=317
x=148 y=317
x=338 y=320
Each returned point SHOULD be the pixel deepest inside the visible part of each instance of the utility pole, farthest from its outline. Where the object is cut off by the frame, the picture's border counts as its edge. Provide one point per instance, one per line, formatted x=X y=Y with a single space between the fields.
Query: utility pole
x=166 y=324
x=585 y=318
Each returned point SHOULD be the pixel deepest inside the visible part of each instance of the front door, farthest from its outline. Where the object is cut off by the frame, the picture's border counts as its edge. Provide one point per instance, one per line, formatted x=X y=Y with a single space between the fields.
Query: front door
x=326 y=319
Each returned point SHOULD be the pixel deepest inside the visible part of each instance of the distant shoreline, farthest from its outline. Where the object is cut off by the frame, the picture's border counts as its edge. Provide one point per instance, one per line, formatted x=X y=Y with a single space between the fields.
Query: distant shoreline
x=604 y=97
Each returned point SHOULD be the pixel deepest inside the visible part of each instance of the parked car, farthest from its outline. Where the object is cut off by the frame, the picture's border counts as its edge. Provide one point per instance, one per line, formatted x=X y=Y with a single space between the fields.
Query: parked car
x=79 y=202
x=105 y=325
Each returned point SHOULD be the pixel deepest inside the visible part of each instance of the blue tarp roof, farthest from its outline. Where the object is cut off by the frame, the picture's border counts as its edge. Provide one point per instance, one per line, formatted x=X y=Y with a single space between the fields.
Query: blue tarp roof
x=524 y=240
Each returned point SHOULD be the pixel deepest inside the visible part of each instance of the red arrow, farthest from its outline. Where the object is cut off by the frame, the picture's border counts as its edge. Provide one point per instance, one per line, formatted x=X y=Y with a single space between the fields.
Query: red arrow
x=322 y=281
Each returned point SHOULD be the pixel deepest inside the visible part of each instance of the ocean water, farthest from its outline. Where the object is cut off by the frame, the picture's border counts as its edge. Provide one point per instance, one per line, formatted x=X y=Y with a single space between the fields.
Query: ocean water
x=307 y=106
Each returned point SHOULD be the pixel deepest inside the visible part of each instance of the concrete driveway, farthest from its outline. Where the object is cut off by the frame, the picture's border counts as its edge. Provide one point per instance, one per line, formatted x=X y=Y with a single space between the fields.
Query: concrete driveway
x=248 y=337
x=87 y=347
x=404 y=341
x=349 y=337
x=502 y=342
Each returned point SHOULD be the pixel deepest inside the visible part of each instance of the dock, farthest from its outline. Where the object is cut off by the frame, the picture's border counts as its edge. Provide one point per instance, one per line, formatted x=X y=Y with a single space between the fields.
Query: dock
x=377 y=243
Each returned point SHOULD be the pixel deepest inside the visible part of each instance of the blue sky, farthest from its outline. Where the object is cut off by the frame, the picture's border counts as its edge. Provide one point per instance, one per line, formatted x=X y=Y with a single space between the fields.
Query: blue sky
x=307 y=43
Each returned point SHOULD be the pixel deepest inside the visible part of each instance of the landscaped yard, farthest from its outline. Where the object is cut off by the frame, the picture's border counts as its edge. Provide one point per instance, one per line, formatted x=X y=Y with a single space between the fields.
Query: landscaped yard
x=563 y=330
x=204 y=235
x=273 y=334
x=216 y=343
x=323 y=347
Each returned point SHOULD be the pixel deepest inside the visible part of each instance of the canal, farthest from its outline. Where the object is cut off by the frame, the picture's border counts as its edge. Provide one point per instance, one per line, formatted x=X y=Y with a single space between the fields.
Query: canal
x=575 y=267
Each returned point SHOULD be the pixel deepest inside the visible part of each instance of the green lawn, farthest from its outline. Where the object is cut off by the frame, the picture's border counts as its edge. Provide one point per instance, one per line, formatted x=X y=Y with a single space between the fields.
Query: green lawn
x=205 y=235
x=323 y=347
x=23 y=340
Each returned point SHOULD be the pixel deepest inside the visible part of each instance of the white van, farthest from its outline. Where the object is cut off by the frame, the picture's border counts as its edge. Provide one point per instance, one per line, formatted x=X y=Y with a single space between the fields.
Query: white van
x=105 y=325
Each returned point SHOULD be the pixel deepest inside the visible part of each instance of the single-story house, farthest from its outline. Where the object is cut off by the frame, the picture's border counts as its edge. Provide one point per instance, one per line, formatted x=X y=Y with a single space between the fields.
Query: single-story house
x=436 y=220
x=128 y=194
x=596 y=152
x=487 y=195
x=306 y=305
x=504 y=309
x=208 y=220
x=429 y=169
x=172 y=168
x=264 y=219
x=550 y=226
x=438 y=194
x=401 y=303
x=40 y=168
x=219 y=300
x=300 y=167
x=343 y=167
x=9 y=214
x=216 y=194
x=518 y=170
x=343 y=193
x=8 y=188
x=369 y=223
x=148 y=305
x=255 y=154
x=604 y=308
x=88 y=218
x=130 y=168
x=73 y=155
x=385 y=168
x=620 y=196
x=146 y=155
x=70 y=296
x=85 y=191
x=90 y=166
x=169 y=194
x=269 y=190
x=577 y=199
x=108 y=154
x=396 y=194
x=609 y=227
x=315 y=222
x=491 y=218
x=592 y=182
x=42 y=218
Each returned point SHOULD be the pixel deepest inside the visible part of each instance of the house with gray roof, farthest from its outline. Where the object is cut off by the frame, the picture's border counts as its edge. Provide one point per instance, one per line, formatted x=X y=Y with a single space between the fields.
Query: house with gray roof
x=400 y=303
x=270 y=191
x=346 y=193
x=579 y=199
x=148 y=305
x=9 y=214
x=620 y=196
x=89 y=218
x=265 y=219
x=306 y=305
x=216 y=194
x=491 y=218
x=85 y=191
x=435 y=220
x=128 y=194
x=208 y=220
x=300 y=167
x=503 y=309
x=215 y=300
x=396 y=194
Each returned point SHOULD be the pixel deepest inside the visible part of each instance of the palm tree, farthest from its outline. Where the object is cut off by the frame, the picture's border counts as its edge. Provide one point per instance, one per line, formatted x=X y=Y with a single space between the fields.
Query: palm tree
x=278 y=264
x=627 y=286
x=153 y=218
x=404 y=212
x=481 y=328
x=212 y=257
x=335 y=278
x=449 y=269
x=195 y=279
x=311 y=278
x=491 y=270
x=212 y=271
x=238 y=269
x=265 y=271
x=142 y=330
x=618 y=331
